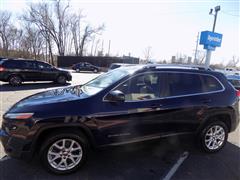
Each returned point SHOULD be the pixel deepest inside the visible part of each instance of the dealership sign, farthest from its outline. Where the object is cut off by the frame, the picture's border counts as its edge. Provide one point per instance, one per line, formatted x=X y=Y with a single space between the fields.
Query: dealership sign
x=210 y=40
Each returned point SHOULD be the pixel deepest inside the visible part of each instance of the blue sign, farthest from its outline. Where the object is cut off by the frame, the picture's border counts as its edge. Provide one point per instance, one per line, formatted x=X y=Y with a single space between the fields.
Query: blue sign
x=210 y=40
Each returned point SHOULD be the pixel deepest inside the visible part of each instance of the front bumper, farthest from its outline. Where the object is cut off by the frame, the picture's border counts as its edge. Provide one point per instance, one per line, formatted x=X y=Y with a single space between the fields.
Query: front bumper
x=69 y=77
x=15 y=147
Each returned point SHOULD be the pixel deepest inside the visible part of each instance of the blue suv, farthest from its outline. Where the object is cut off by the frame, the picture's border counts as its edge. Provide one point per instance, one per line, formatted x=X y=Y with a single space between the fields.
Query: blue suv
x=125 y=105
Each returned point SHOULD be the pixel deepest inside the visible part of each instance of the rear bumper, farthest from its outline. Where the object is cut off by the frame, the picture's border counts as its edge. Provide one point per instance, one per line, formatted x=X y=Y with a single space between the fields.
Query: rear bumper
x=235 y=116
x=15 y=147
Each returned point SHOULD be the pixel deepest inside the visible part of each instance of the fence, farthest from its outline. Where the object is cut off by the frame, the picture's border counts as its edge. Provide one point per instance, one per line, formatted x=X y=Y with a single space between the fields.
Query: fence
x=105 y=62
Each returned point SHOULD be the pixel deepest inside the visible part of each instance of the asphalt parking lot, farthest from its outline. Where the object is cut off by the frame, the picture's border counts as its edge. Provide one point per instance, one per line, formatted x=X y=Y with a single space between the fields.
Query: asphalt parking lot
x=168 y=158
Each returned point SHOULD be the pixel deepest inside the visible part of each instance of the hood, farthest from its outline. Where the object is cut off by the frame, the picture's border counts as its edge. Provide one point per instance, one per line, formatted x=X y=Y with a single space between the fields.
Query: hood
x=53 y=96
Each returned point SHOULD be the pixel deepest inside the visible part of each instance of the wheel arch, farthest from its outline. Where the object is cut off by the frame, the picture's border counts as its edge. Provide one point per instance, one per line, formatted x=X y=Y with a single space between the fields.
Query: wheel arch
x=44 y=134
x=223 y=117
x=15 y=74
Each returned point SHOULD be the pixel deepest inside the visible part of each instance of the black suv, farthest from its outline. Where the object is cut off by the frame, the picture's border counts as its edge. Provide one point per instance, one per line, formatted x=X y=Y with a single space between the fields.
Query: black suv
x=125 y=105
x=85 y=66
x=16 y=71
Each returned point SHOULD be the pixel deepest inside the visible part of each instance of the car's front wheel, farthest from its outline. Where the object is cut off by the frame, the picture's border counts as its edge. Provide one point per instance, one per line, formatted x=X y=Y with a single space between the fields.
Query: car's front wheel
x=64 y=153
x=214 y=136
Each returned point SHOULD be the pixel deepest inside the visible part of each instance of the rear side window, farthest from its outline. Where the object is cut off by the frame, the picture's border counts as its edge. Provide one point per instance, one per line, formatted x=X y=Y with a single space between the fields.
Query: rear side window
x=14 y=64
x=210 y=83
x=184 y=84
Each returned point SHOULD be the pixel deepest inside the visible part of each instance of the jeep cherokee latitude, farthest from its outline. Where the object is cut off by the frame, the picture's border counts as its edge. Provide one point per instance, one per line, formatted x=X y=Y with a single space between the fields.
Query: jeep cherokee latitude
x=125 y=105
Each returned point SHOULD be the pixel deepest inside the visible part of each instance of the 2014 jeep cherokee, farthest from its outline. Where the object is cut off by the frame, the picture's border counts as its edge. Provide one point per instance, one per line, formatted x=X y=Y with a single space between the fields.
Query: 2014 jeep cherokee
x=125 y=105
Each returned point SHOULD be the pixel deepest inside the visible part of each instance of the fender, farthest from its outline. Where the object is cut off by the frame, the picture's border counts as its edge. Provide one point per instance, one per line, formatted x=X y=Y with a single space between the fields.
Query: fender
x=216 y=114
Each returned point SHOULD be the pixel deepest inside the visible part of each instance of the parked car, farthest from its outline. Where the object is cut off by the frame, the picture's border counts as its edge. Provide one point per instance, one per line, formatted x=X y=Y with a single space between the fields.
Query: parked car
x=118 y=65
x=85 y=66
x=234 y=80
x=125 y=105
x=17 y=71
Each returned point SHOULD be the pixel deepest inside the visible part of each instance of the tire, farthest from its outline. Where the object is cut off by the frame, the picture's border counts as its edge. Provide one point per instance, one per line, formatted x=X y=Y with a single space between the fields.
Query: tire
x=61 y=79
x=213 y=137
x=58 y=159
x=77 y=70
x=95 y=71
x=15 y=80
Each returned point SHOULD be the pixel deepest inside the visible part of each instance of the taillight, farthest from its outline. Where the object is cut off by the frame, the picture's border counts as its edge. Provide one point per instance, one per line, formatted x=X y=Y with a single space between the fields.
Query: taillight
x=238 y=93
x=2 y=69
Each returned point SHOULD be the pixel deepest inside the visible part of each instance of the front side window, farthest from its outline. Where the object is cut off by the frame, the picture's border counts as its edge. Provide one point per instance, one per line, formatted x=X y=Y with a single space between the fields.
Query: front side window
x=141 y=87
x=44 y=66
x=106 y=80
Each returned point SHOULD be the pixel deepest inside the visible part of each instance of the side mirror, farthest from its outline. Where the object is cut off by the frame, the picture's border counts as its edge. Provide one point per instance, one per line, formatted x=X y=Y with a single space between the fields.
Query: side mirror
x=115 y=96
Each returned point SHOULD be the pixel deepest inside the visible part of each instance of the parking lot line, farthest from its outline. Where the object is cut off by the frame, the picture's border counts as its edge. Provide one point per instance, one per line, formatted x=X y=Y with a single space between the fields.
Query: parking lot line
x=176 y=166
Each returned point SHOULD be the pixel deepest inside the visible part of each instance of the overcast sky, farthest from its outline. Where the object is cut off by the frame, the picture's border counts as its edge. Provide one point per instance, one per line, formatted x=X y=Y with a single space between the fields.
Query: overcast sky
x=169 y=27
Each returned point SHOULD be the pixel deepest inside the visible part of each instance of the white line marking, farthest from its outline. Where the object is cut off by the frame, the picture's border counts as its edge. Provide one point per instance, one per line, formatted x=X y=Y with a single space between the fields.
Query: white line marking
x=5 y=158
x=176 y=166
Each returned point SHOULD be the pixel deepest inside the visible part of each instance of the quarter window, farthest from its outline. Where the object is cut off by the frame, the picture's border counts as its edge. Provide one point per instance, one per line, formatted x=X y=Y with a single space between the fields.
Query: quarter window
x=210 y=84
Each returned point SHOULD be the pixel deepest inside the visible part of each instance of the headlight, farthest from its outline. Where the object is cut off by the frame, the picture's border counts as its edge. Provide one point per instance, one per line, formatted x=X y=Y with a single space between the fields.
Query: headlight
x=18 y=115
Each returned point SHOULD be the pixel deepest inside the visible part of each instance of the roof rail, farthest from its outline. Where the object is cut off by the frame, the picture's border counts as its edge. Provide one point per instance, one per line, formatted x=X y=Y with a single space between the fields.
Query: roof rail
x=189 y=66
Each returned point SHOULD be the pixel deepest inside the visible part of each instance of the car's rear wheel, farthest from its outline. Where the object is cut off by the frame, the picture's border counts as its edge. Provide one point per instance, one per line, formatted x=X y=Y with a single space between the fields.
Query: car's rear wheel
x=61 y=79
x=64 y=153
x=15 y=80
x=214 y=136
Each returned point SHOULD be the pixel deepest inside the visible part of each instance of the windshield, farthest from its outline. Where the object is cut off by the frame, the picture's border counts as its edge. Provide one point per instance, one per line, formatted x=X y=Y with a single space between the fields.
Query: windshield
x=107 y=79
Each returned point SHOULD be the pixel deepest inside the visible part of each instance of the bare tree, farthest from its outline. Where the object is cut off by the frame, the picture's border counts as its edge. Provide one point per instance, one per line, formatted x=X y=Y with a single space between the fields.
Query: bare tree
x=80 y=34
x=5 y=32
x=34 y=40
x=75 y=23
x=147 y=54
x=233 y=62
x=52 y=27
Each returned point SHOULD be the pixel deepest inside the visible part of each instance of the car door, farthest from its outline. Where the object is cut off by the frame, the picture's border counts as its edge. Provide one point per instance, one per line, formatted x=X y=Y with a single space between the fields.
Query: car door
x=46 y=71
x=135 y=118
x=185 y=100
x=87 y=67
x=30 y=71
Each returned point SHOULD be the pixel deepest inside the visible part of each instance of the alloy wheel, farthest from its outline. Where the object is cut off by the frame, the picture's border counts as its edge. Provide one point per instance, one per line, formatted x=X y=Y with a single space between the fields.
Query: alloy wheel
x=64 y=154
x=214 y=137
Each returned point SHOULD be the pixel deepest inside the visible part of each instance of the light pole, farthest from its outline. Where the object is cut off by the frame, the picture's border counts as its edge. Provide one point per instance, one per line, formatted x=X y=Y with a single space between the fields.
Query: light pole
x=209 y=52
